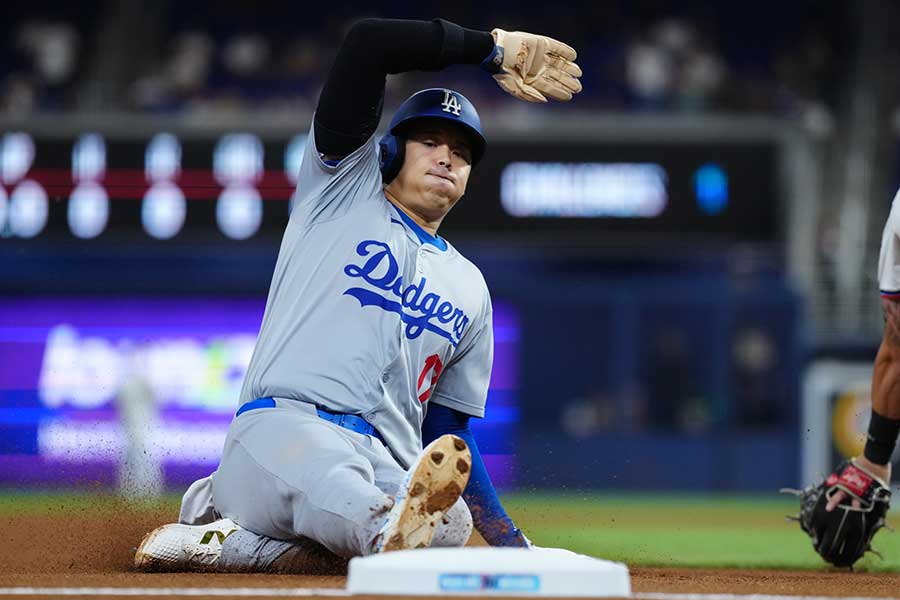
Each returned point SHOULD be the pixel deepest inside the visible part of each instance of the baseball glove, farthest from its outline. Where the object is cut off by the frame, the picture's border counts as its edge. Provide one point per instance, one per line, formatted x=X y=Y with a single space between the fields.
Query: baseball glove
x=843 y=535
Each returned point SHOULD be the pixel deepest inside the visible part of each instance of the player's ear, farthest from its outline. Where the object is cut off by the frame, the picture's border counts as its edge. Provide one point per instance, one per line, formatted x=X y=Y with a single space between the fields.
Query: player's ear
x=391 y=152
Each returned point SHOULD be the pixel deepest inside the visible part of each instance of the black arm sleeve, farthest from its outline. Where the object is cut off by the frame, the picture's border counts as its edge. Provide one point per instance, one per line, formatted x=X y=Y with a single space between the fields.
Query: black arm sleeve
x=350 y=104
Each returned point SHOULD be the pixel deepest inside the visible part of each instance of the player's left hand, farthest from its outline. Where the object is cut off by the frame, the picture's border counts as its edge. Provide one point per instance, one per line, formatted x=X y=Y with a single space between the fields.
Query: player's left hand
x=882 y=473
x=533 y=67
x=842 y=528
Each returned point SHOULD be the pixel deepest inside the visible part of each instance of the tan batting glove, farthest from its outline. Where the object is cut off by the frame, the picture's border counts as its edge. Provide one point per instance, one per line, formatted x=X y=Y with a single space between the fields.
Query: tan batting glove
x=533 y=67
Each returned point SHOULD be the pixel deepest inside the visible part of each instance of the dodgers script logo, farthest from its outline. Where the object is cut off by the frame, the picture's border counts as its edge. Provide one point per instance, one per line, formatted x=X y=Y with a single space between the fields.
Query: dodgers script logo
x=423 y=310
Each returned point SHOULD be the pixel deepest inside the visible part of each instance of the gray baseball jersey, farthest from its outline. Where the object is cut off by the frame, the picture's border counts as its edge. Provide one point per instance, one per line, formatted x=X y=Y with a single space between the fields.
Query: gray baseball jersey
x=367 y=313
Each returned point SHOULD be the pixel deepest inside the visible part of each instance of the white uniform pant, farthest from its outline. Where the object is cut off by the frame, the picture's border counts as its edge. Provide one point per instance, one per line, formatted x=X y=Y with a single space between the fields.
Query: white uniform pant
x=889 y=255
x=286 y=473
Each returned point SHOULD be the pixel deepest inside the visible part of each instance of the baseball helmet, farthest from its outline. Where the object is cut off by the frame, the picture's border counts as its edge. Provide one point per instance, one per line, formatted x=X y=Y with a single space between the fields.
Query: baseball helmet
x=433 y=103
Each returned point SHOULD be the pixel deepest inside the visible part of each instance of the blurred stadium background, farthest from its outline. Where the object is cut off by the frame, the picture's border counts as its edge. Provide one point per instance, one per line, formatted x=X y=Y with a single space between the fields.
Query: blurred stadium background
x=683 y=259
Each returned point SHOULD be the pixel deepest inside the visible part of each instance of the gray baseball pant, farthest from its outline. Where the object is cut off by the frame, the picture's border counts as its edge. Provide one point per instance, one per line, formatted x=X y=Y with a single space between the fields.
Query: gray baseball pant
x=286 y=474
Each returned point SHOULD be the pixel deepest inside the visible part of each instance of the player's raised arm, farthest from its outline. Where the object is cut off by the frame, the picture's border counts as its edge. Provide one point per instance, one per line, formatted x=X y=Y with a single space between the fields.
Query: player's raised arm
x=530 y=67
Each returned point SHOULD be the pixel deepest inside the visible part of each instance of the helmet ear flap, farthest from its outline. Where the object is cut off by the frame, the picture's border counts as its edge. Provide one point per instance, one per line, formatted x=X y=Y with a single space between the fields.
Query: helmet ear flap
x=391 y=151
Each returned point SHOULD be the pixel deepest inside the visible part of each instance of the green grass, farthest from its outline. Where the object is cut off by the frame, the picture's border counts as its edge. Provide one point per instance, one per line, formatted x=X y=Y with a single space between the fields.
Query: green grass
x=684 y=531
x=638 y=529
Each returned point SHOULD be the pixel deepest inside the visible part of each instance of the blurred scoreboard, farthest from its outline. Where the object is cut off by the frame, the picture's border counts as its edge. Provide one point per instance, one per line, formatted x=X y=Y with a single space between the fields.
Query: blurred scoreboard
x=234 y=187
x=596 y=191
x=238 y=186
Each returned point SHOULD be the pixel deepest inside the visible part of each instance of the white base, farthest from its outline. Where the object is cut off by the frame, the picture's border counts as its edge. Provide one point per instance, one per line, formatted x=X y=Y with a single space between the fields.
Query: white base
x=487 y=572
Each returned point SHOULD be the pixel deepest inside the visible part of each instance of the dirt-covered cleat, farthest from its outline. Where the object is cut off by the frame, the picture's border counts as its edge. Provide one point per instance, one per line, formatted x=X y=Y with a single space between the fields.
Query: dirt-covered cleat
x=178 y=547
x=432 y=485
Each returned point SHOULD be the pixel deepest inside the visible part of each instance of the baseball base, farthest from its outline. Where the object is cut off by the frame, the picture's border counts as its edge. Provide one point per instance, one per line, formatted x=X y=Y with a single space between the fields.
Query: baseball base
x=488 y=572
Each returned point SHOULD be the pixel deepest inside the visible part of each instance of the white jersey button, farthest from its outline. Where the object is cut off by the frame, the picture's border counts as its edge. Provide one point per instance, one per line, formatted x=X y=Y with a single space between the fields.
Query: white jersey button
x=385 y=377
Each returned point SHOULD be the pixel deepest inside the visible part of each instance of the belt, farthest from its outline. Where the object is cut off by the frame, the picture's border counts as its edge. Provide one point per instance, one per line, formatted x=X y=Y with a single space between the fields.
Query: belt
x=351 y=422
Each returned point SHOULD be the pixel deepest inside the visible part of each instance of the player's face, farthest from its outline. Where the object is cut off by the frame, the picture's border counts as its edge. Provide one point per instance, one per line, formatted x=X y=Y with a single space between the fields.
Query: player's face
x=435 y=171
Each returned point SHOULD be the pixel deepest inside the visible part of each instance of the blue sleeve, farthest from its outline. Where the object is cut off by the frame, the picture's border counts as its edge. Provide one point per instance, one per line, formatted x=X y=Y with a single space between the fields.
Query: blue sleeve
x=488 y=515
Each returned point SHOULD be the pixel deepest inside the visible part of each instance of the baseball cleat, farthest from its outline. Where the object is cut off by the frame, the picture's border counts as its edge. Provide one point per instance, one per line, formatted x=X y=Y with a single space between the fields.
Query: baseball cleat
x=433 y=484
x=178 y=547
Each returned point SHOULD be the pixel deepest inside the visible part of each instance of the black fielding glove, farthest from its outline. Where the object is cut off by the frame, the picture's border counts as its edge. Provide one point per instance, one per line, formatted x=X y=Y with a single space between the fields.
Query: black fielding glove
x=843 y=535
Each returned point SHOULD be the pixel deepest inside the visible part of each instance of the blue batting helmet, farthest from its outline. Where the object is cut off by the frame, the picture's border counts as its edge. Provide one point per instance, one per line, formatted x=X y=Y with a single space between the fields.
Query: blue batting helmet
x=434 y=103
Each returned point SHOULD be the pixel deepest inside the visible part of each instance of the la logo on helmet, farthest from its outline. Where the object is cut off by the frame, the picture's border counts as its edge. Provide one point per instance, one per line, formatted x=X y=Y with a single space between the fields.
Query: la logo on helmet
x=450 y=103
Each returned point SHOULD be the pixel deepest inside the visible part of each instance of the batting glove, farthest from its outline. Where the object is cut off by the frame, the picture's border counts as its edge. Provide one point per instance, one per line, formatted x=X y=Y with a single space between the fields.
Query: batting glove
x=532 y=67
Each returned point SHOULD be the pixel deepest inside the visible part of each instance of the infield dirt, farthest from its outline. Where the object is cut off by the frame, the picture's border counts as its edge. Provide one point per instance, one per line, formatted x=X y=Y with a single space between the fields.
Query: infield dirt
x=84 y=547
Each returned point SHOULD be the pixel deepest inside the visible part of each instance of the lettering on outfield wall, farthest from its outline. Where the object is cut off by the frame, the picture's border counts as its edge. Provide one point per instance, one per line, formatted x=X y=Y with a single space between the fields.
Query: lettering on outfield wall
x=86 y=371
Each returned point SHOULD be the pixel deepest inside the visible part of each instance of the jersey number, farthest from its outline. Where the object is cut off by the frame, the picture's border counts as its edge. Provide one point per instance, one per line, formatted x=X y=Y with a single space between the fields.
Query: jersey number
x=451 y=103
x=434 y=366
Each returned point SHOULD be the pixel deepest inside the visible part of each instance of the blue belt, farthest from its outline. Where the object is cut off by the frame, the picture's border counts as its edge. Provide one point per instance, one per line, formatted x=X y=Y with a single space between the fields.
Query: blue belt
x=351 y=422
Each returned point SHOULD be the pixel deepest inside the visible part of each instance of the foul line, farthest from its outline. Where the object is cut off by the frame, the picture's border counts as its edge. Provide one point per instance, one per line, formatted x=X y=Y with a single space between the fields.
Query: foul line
x=338 y=592
x=160 y=591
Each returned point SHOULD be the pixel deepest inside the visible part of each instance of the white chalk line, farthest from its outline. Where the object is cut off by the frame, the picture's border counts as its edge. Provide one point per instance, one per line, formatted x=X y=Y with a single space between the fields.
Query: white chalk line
x=338 y=592
x=175 y=591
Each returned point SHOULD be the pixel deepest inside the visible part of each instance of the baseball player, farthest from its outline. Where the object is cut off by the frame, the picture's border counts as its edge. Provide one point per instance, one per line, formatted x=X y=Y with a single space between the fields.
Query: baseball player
x=377 y=332
x=844 y=512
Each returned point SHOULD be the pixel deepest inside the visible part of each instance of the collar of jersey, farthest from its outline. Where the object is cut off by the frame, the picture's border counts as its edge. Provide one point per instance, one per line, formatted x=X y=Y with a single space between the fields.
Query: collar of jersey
x=424 y=237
